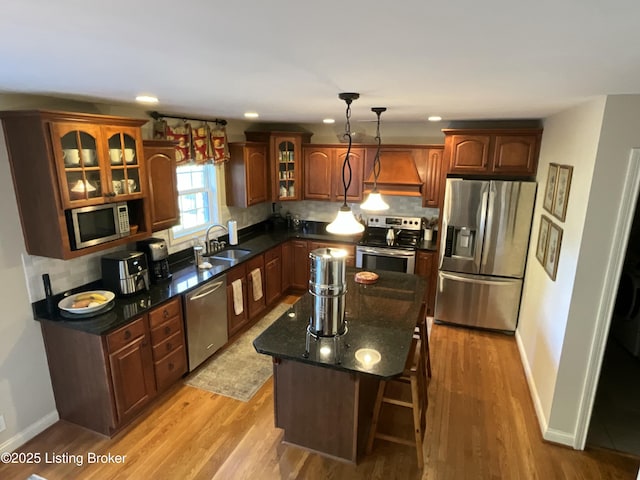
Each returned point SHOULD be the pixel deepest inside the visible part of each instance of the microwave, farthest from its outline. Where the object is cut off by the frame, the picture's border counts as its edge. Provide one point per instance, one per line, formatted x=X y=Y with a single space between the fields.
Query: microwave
x=97 y=224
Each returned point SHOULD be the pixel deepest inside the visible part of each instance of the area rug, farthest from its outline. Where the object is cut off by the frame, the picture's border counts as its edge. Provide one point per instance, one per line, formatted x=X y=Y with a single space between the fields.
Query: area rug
x=238 y=371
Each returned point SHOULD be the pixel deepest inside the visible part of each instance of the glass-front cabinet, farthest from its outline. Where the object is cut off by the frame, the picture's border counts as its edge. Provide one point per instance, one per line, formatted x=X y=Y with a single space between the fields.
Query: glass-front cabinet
x=285 y=162
x=97 y=164
x=61 y=161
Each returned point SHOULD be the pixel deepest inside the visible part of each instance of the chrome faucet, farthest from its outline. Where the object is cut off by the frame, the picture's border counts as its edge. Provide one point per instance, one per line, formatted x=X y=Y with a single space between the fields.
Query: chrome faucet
x=206 y=237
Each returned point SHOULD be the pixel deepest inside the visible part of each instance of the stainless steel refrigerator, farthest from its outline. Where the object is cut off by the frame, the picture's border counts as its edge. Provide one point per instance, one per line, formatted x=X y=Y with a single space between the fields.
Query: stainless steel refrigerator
x=483 y=249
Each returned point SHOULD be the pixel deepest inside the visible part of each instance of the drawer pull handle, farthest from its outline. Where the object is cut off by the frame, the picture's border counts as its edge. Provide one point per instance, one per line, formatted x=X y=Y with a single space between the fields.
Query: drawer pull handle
x=169 y=347
x=167 y=330
x=165 y=313
x=144 y=343
x=127 y=334
x=171 y=366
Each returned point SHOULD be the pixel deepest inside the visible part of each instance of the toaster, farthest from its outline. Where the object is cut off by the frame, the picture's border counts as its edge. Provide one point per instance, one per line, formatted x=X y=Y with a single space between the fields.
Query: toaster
x=125 y=273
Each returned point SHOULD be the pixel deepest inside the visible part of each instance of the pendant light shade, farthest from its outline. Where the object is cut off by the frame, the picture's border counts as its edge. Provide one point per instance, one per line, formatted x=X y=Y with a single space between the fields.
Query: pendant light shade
x=345 y=223
x=374 y=202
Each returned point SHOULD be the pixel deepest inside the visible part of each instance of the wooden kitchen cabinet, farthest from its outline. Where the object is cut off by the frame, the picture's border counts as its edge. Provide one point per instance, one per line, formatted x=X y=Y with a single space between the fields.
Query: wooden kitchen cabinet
x=285 y=162
x=433 y=177
x=287 y=265
x=301 y=264
x=168 y=344
x=62 y=160
x=102 y=382
x=235 y=321
x=323 y=172
x=507 y=152
x=160 y=162
x=131 y=367
x=273 y=274
x=246 y=174
x=427 y=267
x=256 y=301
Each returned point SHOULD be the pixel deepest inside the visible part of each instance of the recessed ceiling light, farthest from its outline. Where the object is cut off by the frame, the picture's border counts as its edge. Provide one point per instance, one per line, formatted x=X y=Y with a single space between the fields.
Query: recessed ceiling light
x=328 y=120
x=434 y=118
x=251 y=115
x=146 y=99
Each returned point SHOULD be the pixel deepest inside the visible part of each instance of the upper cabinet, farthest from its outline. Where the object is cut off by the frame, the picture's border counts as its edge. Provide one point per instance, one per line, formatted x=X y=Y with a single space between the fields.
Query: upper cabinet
x=246 y=177
x=507 y=152
x=323 y=172
x=433 y=158
x=62 y=161
x=160 y=163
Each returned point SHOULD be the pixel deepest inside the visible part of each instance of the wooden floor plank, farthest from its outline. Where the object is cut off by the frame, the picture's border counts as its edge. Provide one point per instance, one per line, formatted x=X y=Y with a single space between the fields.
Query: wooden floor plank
x=480 y=425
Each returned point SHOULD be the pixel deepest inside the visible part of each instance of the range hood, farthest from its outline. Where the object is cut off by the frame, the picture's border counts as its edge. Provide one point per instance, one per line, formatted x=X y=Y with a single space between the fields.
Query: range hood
x=398 y=174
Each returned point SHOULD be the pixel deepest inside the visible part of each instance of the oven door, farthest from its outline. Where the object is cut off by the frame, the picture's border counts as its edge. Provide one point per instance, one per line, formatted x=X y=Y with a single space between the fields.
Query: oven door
x=391 y=259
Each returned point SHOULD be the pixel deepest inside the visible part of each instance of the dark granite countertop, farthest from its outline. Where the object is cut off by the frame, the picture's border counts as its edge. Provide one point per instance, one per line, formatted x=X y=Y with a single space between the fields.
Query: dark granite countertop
x=185 y=277
x=379 y=317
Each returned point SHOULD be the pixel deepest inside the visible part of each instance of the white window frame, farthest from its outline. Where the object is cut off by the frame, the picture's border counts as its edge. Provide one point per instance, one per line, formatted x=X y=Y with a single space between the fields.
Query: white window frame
x=211 y=188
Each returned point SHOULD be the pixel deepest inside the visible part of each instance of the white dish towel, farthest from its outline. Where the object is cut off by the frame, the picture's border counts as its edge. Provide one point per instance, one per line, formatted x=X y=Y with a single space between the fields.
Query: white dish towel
x=236 y=286
x=256 y=279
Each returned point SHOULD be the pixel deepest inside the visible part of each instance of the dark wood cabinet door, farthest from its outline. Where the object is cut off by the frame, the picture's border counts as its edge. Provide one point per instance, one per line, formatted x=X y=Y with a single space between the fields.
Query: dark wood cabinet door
x=256 y=301
x=434 y=178
x=516 y=154
x=287 y=265
x=317 y=173
x=469 y=153
x=273 y=275
x=132 y=376
x=427 y=267
x=300 y=270
x=356 y=160
x=235 y=321
x=256 y=174
x=163 y=192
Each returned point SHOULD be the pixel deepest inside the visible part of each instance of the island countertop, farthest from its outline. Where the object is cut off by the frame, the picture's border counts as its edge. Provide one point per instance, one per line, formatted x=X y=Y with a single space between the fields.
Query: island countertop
x=380 y=317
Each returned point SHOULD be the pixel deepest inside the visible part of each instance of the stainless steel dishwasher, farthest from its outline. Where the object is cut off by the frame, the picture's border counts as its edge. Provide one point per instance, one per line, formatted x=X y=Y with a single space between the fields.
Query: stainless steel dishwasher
x=206 y=320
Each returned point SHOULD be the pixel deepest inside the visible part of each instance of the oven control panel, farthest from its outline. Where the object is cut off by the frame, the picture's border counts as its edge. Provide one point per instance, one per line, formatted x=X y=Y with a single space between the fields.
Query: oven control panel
x=398 y=223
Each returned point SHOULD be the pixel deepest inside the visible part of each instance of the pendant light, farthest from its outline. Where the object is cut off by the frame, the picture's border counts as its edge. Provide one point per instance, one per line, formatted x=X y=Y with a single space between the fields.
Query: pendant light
x=374 y=202
x=345 y=223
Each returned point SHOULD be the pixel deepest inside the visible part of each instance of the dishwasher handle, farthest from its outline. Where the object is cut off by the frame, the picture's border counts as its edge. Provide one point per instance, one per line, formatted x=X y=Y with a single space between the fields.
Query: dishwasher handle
x=209 y=291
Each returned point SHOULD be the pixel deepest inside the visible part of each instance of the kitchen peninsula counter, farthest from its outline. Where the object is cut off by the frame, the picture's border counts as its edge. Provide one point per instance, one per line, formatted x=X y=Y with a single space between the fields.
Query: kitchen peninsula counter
x=325 y=405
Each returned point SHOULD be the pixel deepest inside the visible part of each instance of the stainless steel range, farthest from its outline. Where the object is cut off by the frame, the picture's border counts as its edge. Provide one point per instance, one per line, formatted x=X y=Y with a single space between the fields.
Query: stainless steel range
x=389 y=243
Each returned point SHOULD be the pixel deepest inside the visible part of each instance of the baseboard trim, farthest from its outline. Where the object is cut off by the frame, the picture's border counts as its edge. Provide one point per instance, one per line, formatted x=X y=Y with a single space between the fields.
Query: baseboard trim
x=28 y=433
x=548 y=434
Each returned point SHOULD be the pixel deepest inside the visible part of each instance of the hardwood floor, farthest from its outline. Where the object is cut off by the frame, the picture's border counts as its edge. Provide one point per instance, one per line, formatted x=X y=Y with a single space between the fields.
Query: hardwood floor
x=480 y=425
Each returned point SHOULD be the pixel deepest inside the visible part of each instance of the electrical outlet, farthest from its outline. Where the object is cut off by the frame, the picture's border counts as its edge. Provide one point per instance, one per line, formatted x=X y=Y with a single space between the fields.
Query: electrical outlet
x=3 y=426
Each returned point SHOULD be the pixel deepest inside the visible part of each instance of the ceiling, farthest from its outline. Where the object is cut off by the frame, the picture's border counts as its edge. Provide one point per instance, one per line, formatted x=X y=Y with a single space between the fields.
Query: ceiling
x=288 y=60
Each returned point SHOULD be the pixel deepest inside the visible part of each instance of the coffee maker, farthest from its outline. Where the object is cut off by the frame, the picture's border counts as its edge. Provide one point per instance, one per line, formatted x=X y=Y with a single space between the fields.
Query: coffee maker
x=157 y=256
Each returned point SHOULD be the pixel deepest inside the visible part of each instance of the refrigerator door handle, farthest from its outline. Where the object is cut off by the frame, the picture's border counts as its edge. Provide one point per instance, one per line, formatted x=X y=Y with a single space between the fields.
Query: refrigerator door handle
x=489 y=219
x=477 y=256
x=476 y=280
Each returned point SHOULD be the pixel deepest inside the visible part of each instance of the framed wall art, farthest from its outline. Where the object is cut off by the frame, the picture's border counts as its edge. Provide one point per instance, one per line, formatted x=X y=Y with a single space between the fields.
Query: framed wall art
x=562 y=192
x=553 y=250
x=543 y=236
x=550 y=189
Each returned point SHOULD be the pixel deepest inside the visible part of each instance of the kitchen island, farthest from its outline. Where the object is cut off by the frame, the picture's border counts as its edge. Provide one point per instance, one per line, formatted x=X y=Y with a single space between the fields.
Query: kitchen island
x=323 y=398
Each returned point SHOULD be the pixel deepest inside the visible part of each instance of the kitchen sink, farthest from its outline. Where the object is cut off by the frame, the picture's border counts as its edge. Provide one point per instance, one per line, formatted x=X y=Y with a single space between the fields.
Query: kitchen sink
x=230 y=254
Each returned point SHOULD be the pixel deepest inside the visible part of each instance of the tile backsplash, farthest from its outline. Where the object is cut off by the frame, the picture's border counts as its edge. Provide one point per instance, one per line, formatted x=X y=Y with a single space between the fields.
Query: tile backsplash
x=67 y=274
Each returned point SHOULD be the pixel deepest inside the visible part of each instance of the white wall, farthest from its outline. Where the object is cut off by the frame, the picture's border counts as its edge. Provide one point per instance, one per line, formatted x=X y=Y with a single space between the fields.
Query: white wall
x=558 y=319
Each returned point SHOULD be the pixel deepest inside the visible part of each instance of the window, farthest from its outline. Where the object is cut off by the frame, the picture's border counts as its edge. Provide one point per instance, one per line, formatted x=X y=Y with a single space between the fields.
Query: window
x=197 y=200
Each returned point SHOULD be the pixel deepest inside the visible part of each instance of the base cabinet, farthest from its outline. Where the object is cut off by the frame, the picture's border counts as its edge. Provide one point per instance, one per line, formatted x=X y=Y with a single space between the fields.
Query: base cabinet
x=102 y=382
x=301 y=264
x=427 y=267
x=237 y=316
x=273 y=275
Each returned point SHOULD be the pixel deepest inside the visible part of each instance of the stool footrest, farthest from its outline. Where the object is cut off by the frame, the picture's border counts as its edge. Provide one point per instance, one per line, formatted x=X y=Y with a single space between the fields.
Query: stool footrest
x=391 y=438
x=400 y=403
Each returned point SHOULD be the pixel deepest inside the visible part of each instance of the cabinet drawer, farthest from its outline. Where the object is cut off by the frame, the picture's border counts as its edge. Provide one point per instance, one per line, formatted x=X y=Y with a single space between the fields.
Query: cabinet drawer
x=168 y=345
x=164 y=312
x=165 y=330
x=170 y=368
x=124 y=335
